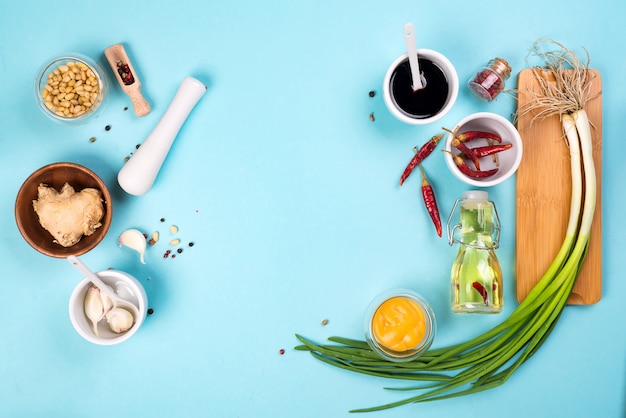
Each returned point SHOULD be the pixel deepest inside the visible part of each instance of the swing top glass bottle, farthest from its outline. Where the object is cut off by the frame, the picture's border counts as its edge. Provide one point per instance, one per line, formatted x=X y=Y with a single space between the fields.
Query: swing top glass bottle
x=476 y=276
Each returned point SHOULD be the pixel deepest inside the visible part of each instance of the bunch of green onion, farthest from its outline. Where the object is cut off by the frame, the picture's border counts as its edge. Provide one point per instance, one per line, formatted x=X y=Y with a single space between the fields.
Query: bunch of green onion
x=488 y=360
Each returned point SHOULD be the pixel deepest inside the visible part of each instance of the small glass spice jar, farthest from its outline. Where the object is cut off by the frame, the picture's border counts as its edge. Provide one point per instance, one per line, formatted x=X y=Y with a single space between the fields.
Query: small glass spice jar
x=489 y=81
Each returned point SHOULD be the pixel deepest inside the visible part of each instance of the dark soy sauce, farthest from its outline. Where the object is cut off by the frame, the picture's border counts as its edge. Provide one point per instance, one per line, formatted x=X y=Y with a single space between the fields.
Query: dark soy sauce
x=423 y=103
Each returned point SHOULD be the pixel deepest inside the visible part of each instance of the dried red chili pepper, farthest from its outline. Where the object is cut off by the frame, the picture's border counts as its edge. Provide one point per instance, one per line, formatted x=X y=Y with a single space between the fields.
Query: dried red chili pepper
x=483 y=292
x=490 y=149
x=469 y=172
x=420 y=155
x=467 y=151
x=472 y=135
x=431 y=203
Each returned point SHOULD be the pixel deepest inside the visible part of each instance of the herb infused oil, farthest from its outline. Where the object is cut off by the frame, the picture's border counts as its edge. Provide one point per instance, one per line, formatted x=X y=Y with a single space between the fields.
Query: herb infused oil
x=476 y=277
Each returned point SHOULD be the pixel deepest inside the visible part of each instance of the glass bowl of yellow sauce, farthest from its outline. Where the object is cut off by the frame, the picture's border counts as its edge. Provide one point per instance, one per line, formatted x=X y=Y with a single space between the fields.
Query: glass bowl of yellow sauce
x=399 y=325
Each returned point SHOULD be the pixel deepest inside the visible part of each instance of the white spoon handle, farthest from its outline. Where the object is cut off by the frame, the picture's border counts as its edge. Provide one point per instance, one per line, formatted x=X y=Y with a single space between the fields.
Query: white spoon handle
x=139 y=173
x=411 y=50
x=93 y=277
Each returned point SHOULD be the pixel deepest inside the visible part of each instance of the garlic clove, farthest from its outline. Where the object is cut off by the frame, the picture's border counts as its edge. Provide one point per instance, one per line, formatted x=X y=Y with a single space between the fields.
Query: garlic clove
x=135 y=240
x=94 y=309
x=107 y=303
x=120 y=320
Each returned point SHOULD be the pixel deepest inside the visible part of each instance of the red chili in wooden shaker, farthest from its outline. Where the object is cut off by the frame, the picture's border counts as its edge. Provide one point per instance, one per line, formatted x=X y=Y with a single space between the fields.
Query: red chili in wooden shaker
x=489 y=81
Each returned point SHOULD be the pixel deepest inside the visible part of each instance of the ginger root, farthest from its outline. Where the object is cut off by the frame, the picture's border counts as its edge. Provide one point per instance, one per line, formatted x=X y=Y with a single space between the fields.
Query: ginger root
x=69 y=215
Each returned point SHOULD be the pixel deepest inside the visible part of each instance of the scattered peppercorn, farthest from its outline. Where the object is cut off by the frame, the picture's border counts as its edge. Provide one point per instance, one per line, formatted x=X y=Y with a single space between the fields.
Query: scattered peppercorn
x=281 y=351
x=191 y=244
x=126 y=159
x=92 y=139
x=372 y=93
x=173 y=255
x=150 y=311
x=372 y=116
x=107 y=128
x=137 y=146
x=125 y=108
x=180 y=250
x=162 y=219
x=325 y=322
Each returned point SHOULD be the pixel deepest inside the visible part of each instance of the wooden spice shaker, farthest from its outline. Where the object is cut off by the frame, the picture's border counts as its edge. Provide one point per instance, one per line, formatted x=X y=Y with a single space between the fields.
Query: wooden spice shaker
x=127 y=78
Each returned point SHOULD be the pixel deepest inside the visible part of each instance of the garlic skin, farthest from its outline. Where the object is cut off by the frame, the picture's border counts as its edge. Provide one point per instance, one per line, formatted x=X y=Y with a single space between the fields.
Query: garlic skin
x=135 y=240
x=120 y=320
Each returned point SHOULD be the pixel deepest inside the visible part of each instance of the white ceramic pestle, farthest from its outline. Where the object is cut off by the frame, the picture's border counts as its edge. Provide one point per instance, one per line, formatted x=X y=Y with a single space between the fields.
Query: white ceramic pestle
x=140 y=171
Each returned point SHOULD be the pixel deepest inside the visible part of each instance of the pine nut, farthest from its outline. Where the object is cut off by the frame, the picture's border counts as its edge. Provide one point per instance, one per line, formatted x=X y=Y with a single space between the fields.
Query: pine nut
x=71 y=89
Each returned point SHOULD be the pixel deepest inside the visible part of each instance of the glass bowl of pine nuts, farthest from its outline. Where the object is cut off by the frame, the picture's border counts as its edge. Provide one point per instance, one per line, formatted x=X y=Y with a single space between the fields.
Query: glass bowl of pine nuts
x=71 y=88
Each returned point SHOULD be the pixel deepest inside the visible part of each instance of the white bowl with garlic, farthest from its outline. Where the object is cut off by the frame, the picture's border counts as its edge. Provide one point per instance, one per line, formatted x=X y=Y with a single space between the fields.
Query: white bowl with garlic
x=94 y=317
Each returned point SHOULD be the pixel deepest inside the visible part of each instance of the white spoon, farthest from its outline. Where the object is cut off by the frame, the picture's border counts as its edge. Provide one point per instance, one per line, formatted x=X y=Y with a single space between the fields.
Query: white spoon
x=411 y=50
x=118 y=302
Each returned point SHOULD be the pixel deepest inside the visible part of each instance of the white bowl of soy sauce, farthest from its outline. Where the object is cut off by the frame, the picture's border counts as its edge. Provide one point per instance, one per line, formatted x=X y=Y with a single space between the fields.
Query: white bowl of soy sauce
x=426 y=105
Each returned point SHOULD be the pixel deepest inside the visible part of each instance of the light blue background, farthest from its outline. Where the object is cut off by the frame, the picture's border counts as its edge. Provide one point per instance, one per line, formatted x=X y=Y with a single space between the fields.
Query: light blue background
x=291 y=196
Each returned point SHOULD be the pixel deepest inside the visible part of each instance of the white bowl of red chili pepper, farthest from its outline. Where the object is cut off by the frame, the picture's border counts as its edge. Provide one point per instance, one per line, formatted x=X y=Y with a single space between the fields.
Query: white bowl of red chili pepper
x=484 y=149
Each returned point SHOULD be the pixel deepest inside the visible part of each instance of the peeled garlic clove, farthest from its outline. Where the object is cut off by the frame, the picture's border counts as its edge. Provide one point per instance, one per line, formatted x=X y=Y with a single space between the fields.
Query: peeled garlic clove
x=135 y=240
x=120 y=320
x=94 y=309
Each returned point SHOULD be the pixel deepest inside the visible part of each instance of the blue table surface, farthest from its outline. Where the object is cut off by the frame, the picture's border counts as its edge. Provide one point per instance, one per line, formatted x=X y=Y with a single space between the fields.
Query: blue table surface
x=290 y=194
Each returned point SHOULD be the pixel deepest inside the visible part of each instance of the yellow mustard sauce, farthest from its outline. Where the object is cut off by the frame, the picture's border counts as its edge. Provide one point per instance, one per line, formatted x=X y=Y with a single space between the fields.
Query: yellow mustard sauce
x=399 y=324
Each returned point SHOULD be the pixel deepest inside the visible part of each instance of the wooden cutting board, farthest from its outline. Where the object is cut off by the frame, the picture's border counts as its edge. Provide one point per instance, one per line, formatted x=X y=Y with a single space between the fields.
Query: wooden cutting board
x=543 y=197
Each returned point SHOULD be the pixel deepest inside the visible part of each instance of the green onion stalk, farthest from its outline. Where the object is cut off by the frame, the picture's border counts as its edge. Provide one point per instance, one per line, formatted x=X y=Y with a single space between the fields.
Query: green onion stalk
x=489 y=360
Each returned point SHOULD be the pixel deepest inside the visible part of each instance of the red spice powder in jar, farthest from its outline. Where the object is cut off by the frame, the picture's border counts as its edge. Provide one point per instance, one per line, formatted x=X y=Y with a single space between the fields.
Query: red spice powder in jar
x=489 y=81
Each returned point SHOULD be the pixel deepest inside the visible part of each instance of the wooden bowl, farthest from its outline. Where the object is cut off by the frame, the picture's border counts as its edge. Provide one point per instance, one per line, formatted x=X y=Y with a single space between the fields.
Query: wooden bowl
x=56 y=175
